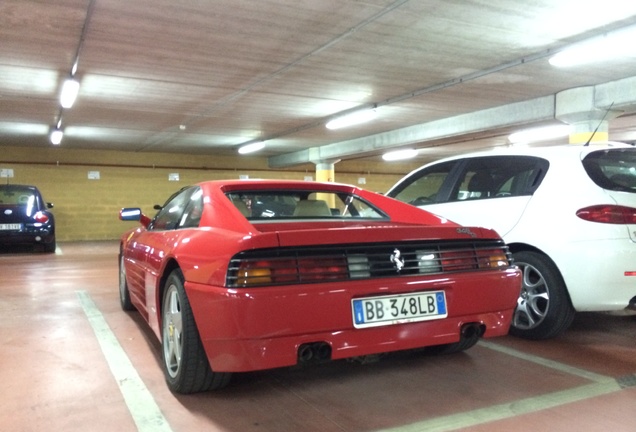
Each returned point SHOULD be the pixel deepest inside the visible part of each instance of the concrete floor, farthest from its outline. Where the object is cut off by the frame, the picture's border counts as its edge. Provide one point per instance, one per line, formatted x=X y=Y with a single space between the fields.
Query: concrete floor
x=72 y=360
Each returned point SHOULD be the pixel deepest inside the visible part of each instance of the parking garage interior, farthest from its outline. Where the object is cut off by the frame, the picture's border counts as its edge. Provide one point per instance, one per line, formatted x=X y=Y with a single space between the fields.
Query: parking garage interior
x=171 y=92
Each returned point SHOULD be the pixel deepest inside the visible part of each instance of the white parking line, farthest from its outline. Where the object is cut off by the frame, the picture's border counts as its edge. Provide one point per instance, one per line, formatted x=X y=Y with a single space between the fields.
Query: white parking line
x=508 y=410
x=149 y=418
x=600 y=385
x=545 y=362
x=142 y=406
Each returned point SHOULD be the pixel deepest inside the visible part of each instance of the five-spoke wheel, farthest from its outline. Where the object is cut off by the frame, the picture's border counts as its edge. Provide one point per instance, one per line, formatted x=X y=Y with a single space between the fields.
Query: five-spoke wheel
x=185 y=363
x=543 y=308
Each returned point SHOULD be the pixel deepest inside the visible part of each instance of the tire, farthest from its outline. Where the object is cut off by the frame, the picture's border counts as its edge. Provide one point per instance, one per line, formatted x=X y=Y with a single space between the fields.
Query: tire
x=50 y=247
x=124 y=293
x=543 y=309
x=185 y=363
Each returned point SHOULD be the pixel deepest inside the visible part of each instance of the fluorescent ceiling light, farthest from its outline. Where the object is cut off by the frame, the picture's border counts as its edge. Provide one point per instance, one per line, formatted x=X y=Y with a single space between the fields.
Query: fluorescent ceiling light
x=354 y=118
x=251 y=148
x=609 y=46
x=56 y=136
x=400 y=155
x=69 y=93
x=539 y=134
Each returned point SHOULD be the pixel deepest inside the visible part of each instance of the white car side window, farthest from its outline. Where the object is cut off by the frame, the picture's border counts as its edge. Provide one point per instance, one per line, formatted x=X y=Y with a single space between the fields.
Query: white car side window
x=424 y=187
x=494 y=177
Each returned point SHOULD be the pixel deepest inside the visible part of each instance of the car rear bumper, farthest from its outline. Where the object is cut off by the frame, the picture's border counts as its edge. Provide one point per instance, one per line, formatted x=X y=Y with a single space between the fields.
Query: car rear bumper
x=607 y=279
x=263 y=328
x=249 y=355
x=27 y=237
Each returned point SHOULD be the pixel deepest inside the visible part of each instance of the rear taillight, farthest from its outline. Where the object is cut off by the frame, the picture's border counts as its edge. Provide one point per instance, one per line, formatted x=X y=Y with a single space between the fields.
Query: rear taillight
x=41 y=217
x=492 y=258
x=481 y=259
x=609 y=214
x=254 y=273
x=282 y=271
x=458 y=260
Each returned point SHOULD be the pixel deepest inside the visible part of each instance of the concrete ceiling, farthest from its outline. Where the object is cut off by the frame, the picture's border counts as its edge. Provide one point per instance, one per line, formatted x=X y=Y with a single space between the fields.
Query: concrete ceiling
x=206 y=76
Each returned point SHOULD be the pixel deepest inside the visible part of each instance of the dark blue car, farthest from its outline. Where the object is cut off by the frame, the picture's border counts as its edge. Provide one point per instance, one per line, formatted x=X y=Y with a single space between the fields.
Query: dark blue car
x=25 y=218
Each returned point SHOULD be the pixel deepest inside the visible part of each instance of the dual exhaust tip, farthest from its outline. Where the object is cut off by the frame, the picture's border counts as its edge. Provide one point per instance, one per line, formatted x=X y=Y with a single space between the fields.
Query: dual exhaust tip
x=316 y=352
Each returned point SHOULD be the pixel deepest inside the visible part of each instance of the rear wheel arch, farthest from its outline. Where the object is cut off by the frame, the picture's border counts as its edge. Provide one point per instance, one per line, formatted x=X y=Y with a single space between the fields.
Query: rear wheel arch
x=170 y=266
x=526 y=247
x=185 y=363
x=521 y=247
x=124 y=293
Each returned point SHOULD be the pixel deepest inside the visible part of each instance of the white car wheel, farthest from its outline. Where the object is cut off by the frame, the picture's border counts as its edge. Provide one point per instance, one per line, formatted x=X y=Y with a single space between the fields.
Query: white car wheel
x=543 y=308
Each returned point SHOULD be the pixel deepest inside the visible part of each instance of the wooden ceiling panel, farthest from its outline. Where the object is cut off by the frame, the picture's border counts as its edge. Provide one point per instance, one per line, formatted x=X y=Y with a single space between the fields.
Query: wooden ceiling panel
x=205 y=76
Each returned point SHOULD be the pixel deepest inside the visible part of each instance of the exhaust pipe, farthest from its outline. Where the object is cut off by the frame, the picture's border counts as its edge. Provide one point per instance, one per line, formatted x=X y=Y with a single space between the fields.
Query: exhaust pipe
x=314 y=351
x=322 y=351
x=472 y=331
x=305 y=353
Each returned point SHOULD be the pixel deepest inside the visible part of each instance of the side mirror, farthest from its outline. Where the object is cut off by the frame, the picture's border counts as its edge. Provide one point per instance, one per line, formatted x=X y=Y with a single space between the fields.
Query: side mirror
x=134 y=214
x=49 y=205
x=130 y=214
x=157 y=207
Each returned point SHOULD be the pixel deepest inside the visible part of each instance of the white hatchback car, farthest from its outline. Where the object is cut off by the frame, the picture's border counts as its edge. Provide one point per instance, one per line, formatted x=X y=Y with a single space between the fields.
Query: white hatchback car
x=568 y=214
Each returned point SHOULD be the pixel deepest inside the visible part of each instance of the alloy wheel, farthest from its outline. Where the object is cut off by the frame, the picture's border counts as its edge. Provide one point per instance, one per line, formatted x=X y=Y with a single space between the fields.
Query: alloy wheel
x=172 y=332
x=534 y=299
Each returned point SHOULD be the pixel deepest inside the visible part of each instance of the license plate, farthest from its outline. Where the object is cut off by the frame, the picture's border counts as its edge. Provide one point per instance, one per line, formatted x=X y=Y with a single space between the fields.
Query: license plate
x=398 y=309
x=10 y=227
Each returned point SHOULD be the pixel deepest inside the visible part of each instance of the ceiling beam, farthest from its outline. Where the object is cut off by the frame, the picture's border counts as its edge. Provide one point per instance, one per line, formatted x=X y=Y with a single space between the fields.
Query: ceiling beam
x=539 y=109
x=622 y=93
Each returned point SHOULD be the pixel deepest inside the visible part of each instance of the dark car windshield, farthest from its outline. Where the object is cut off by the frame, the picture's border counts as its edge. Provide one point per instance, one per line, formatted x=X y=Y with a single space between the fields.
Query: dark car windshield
x=613 y=169
x=303 y=204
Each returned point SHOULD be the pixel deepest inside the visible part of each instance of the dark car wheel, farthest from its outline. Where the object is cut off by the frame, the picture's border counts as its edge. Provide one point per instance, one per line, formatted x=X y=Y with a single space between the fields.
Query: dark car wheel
x=184 y=360
x=124 y=294
x=543 y=308
x=50 y=247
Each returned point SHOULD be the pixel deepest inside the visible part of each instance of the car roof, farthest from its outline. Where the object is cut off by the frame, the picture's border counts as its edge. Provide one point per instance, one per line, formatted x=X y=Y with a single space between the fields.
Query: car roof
x=17 y=186
x=274 y=184
x=548 y=152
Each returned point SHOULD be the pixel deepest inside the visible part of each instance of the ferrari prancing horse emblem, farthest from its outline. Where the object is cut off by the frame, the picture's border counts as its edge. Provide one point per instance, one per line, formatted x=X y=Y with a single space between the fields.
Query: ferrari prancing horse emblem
x=397 y=260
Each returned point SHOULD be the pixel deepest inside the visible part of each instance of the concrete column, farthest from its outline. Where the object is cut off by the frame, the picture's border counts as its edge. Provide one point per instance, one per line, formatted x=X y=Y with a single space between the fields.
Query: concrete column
x=325 y=172
x=577 y=108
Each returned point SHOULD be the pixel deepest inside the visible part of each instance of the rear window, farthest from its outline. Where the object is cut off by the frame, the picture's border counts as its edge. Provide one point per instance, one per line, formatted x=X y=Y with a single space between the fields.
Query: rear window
x=306 y=204
x=613 y=169
x=12 y=195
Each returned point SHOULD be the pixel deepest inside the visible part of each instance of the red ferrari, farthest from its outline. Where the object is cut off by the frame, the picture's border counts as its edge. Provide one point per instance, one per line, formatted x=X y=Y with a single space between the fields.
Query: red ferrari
x=236 y=276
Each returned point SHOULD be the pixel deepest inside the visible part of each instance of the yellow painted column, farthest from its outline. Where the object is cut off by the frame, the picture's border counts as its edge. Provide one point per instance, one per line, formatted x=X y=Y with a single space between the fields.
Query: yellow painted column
x=325 y=172
x=587 y=132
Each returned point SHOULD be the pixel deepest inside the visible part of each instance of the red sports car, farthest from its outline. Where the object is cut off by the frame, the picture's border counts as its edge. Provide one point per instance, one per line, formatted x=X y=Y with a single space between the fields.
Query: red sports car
x=236 y=276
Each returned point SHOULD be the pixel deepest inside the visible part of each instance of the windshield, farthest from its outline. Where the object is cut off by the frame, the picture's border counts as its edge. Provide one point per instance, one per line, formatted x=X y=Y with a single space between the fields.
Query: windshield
x=613 y=169
x=303 y=204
